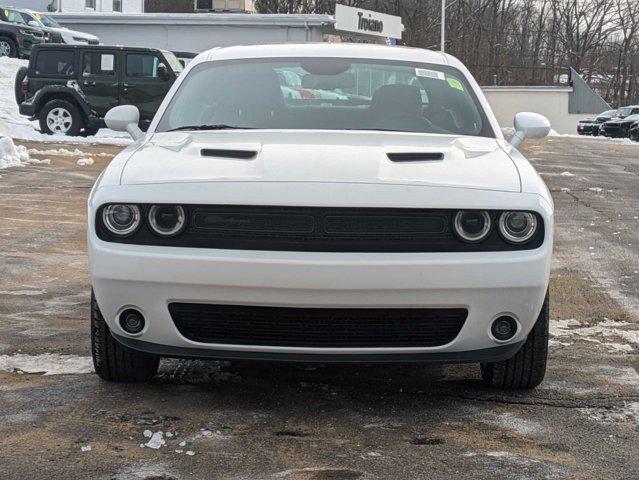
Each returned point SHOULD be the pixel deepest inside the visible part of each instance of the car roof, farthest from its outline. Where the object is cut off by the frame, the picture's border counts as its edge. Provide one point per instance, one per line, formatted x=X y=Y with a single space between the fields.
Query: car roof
x=342 y=50
x=59 y=46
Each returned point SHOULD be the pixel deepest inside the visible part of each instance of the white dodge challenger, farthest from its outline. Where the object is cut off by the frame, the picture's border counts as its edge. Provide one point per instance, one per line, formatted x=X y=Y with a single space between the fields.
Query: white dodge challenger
x=322 y=203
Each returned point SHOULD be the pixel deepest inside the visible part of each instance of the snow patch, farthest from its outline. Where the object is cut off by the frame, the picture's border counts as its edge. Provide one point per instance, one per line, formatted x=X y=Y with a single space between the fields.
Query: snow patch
x=156 y=441
x=599 y=333
x=12 y=155
x=84 y=161
x=46 y=364
x=626 y=413
x=567 y=174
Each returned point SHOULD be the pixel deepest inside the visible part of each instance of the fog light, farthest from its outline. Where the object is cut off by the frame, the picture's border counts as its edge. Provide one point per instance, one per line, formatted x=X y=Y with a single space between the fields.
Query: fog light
x=132 y=321
x=504 y=328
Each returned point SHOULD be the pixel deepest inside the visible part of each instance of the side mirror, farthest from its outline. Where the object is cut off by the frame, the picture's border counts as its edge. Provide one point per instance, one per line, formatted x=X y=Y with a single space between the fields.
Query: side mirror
x=163 y=72
x=124 y=118
x=529 y=125
x=33 y=23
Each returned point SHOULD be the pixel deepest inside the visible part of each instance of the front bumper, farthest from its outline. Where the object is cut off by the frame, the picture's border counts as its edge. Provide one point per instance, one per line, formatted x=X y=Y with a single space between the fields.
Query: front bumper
x=26 y=43
x=487 y=284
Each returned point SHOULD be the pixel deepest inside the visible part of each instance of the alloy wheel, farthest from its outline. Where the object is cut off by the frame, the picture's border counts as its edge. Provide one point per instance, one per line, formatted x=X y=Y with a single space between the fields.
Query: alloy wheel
x=5 y=49
x=59 y=120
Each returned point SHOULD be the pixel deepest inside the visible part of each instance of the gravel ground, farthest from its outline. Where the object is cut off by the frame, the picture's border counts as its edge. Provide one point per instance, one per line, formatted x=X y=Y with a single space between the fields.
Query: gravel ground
x=263 y=421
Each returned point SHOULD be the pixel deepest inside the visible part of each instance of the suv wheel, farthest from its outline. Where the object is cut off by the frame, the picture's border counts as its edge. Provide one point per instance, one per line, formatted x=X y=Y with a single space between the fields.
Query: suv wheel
x=8 y=47
x=60 y=117
x=527 y=368
x=112 y=361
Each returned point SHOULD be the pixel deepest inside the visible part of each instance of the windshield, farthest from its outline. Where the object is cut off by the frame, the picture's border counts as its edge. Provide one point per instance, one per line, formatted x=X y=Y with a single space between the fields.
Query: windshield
x=327 y=94
x=174 y=63
x=624 y=111
x=47 y=21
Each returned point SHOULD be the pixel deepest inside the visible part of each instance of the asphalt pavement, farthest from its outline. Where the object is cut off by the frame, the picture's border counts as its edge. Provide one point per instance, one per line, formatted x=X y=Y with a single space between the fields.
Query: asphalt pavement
x=213 y=420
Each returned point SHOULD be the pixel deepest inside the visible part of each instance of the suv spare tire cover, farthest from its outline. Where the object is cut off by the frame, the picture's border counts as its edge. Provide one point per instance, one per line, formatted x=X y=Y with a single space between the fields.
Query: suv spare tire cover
x=17 y=86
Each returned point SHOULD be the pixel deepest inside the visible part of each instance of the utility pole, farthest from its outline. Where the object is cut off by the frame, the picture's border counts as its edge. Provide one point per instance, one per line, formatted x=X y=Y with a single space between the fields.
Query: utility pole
x=443 y=39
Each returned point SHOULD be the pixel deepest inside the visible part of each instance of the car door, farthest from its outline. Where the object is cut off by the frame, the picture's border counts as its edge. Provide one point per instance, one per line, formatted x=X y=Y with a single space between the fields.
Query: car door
x=98 y=79
x=142 y=84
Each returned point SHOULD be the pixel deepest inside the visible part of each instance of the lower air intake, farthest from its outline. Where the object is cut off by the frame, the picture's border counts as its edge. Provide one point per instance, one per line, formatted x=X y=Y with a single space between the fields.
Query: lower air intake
x=317 y=327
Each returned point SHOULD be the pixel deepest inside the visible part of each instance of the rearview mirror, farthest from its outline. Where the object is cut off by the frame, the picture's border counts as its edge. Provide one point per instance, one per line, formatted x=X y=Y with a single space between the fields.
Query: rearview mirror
x=125 y=118
x=529 y=125
x=33 y=23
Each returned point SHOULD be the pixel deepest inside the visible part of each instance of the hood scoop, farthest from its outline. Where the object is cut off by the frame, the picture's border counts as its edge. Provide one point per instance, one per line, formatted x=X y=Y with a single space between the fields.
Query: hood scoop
x=415 y=156
x=228 y=153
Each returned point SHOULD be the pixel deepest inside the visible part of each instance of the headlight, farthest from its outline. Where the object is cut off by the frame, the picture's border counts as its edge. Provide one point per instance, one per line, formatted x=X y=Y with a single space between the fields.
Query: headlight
x=167 y=220
x=472 y=225
x=517 y=227
x=121 y=220
x=26 y=32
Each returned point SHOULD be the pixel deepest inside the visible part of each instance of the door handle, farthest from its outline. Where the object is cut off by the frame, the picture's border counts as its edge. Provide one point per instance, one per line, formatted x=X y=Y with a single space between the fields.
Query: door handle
x=129 y=85
x=88 y=83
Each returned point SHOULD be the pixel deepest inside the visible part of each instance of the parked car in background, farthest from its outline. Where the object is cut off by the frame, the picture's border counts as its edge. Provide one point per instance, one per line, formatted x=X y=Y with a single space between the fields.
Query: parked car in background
x=623 y=112
x=251 y=225
x=633 y=131
x=16 y=37
x=590 y=126
x=57 y=33
x=618 y=127
x=69 y=88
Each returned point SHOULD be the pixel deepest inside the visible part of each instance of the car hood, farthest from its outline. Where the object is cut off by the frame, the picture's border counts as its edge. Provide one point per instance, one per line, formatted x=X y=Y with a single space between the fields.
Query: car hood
x=75 y=33
x=322 y=156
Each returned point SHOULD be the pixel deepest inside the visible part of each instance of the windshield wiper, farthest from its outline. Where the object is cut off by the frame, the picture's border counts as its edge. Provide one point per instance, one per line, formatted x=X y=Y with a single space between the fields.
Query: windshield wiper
x=219 y=126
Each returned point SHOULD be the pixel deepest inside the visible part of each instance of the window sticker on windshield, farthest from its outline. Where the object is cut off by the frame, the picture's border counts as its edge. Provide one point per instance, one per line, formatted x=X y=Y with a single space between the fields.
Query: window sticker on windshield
x=453 y=82
x=107 y=63
x=422 y=72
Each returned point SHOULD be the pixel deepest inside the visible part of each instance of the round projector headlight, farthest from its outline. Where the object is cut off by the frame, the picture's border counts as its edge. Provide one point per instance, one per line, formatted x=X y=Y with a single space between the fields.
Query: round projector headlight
x=167 y=220
x=121 y=220
x=472 y=225
x=517 y=227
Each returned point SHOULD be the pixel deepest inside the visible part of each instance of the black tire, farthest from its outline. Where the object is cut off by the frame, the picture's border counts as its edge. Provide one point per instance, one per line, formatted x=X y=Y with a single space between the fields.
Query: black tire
x=88 y=132
x=8 y=47
x=112 y=361
x=75 y=117
x=17 y=86
x=527 y=368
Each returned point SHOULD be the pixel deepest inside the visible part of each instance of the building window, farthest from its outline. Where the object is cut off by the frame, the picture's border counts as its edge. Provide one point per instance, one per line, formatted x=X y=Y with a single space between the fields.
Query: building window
x=117 y=5
x=204 y=4
x=89 y=4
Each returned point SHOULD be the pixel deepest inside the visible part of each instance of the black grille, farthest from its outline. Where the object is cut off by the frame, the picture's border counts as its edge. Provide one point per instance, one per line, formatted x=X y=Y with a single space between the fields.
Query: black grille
x=317 y=327
x=320 y=229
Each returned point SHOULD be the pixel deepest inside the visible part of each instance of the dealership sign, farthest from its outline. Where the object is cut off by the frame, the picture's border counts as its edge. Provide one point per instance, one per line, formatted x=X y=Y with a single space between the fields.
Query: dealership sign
x=367 y=22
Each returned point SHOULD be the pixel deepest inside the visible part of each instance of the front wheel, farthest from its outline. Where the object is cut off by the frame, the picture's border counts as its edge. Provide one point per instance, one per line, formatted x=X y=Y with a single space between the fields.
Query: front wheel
x=112 y=361
x=8 y=48
x=527 y=368
x=60 y=117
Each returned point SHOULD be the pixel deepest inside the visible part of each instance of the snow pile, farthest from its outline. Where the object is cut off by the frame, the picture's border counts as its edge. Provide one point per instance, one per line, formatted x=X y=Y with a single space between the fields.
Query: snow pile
x=12 y=156
x=46 y=363
x=82 y=162
x=12 y=124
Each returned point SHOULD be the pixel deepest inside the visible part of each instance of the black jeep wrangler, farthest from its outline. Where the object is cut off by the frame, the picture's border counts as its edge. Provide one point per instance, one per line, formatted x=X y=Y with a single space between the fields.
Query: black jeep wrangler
x=70 y=88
